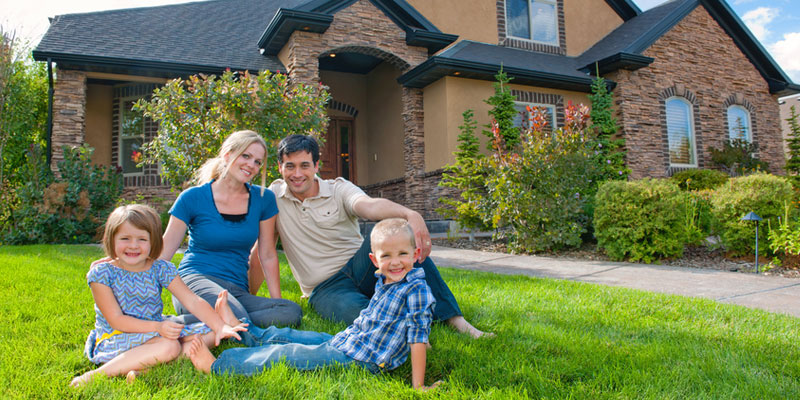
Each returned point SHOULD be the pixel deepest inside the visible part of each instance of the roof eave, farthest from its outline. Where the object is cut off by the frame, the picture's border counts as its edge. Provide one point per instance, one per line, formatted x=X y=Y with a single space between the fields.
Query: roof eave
x=287 y=21
x=438 y=67
x=433 y=41
x=621 y=60
x=626 y=9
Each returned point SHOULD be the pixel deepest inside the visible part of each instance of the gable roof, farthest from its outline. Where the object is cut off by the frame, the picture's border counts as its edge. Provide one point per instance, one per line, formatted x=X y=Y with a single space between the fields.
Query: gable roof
x=626 y=9
x=207 y=36
x=623 y=47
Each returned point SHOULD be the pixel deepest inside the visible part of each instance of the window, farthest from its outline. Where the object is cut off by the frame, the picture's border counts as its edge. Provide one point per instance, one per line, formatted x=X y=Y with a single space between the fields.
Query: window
x=521 y=119
x=131 y=137
x=535 y=20
x=680 y=133
x=739 y=124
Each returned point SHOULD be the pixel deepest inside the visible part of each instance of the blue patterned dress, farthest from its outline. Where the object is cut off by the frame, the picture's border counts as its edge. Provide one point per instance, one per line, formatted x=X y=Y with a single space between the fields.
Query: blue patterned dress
x=138 y=295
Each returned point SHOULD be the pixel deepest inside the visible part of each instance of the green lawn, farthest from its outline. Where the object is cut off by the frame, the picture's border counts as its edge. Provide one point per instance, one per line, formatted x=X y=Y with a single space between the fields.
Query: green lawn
x=555 y=339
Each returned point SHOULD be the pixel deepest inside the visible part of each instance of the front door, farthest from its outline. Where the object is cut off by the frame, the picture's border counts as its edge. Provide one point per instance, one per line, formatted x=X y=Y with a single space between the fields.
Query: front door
x=337 y=155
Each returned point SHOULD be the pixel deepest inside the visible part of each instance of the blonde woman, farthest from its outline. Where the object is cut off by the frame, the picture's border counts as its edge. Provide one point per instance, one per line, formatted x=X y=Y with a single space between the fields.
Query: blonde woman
x=225 y=215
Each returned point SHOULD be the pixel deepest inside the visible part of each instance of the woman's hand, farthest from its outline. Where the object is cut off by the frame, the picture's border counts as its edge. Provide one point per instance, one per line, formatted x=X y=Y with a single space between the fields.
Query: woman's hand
x=228 y=331
x=169 y=329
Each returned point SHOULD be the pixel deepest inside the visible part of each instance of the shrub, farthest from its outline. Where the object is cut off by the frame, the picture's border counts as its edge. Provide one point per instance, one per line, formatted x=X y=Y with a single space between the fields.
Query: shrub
x=793 y=142
x=761 y=193
x=640 y=220
x=736 y=156
x=69 y=209
x=784 y=237
x=699 y=179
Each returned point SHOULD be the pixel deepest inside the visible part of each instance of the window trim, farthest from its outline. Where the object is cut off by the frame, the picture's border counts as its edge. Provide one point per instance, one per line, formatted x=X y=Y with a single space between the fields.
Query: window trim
x=692 y=132
x=553 y=112
x=503 y=39
x=120 y=137
x=749 y=125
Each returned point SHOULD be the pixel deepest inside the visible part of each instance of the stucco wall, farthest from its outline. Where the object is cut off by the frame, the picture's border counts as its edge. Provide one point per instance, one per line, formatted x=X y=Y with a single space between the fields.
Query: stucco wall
x=385 y=126
x=698 y=59
x=469 y=19
x=587 y=22
x=98 y=122
x=445 y=102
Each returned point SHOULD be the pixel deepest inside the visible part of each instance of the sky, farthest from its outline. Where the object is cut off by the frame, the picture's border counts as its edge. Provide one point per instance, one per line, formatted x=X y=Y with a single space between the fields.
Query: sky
x=776 y=23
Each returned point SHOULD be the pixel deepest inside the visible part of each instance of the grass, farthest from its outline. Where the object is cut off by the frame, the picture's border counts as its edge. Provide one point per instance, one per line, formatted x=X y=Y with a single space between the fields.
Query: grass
x=555 y=339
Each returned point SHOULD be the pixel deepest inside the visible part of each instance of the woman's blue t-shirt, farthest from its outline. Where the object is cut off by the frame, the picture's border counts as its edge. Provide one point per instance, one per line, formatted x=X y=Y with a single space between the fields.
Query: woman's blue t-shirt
x=218 y=247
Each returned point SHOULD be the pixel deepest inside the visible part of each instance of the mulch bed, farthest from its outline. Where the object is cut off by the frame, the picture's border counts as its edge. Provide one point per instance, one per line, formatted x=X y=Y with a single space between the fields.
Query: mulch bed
x=693 y=257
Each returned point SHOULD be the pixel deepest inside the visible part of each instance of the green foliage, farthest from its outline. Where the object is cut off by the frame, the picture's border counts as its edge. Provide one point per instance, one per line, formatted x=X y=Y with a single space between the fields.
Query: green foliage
x=502 y=113
x=761 y=193
x=793 y=163
x=537 y=194
x=196 y=115
x=699 y=179
x=23 y=115
x=69 y=209
x=698 y=216
x=736 y=156
x=468 y=174
x=784 y=238
x=608 y=150
x=640 y=220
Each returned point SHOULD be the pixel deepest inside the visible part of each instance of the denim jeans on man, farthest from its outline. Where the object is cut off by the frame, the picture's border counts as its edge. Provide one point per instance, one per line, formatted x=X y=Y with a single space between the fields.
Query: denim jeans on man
x=302 y=350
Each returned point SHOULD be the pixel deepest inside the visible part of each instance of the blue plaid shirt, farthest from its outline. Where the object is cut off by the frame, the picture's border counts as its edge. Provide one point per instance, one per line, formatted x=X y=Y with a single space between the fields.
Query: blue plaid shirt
x=398 y=314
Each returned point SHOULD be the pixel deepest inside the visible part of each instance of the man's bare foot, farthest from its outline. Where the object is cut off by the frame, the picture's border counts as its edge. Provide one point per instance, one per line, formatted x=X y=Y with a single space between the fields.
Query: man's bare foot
x=460 y=324
x=79 y=381
x=200 y=355
x=131 y=376
x=224 y=310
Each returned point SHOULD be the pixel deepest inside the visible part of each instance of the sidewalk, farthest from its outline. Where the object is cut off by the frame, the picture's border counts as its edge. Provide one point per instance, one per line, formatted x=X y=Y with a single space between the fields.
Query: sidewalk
x=776 y=294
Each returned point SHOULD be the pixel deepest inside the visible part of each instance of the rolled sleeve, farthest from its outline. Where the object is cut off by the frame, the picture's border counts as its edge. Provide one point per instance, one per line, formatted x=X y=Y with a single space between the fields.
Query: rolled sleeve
x=420 y=313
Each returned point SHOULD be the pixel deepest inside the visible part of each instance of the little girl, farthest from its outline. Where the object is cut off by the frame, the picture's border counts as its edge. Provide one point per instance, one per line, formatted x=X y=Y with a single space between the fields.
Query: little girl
x=130 y=333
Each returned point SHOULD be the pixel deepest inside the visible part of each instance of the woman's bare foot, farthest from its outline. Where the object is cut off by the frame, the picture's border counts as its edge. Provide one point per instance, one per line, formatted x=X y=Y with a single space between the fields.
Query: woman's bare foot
x=200 y=355
x=460 y=324
x=224 y=310
x=79 y=381
x=132 y=375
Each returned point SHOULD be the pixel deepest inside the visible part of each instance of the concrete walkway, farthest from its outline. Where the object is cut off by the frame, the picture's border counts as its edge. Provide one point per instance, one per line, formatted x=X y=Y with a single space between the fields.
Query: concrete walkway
x=776 y=294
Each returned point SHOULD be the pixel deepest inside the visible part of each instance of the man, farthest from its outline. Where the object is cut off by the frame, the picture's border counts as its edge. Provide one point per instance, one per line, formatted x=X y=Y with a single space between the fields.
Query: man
x=318 y=226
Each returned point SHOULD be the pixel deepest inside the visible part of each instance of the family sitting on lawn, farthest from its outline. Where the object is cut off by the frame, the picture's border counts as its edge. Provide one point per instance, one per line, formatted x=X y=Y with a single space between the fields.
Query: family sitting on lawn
x=317 y=221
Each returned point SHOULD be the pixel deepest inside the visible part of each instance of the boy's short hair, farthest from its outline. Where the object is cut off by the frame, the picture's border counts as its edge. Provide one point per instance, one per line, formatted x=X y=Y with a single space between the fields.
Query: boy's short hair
x=142 y=217
x=390 y=227
x=294 y=143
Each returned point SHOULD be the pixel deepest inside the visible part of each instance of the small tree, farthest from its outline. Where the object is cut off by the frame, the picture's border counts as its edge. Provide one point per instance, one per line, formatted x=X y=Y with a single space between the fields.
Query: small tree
x=502 y=113
x=608 y=150
x=793 y=163
x=196 y=115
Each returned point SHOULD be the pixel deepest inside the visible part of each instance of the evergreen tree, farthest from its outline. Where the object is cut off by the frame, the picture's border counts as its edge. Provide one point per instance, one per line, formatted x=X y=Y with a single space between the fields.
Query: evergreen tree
x=503 y=113
x=793 y=163
x=609 y=151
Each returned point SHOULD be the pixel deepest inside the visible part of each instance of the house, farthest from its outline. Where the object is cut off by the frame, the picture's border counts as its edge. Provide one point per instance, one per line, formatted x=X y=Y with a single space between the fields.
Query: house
x=687 y=75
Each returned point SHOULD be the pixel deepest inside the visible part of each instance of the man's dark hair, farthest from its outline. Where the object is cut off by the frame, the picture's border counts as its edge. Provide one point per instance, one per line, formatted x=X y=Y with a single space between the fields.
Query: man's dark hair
x=294 y=143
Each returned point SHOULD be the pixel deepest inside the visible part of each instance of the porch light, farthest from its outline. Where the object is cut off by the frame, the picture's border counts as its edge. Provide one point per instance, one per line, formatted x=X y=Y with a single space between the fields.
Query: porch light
x=751 y=216
x=332 y=55
x=457 y=73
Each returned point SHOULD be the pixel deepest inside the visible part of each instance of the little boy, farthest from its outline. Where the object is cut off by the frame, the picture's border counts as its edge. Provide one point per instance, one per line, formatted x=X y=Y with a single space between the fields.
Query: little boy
x=396 y=321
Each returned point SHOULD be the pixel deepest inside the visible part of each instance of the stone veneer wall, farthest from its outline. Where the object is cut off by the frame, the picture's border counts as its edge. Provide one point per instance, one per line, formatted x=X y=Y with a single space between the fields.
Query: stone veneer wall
x=696 y=56
x=428 y=201
x=363 y=28
x=69 y=113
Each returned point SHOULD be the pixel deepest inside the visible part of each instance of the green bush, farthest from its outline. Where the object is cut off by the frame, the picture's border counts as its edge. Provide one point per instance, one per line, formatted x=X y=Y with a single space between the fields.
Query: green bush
x=784 y=237
x=640 y=220
x=699 y=179
x=761 y=193
x=69 y=209
x=736 y=156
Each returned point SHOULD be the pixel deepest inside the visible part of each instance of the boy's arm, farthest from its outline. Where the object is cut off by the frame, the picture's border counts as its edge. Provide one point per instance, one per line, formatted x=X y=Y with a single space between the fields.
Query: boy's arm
x=418 y=360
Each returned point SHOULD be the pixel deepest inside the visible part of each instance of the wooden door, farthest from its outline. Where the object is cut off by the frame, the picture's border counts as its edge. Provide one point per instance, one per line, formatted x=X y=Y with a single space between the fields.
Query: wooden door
x=337 y=155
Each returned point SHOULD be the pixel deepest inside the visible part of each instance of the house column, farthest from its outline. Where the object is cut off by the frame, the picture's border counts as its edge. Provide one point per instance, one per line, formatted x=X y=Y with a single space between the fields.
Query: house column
x=303 y=65
x=414 y=148
x=69 y=113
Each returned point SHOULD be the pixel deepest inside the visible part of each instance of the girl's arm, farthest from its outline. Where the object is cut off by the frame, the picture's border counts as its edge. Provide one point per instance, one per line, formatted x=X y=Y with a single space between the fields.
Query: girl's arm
x=107 y=303
x=173 y=237
x=202 y=310
x=269 y=256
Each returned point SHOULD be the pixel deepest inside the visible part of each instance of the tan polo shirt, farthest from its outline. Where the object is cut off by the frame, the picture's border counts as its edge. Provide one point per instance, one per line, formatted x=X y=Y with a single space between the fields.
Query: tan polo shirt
x=321 y=233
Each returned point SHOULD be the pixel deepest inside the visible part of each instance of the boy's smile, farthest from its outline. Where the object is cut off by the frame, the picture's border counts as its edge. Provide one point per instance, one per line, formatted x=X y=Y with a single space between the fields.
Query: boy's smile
x=394 y=257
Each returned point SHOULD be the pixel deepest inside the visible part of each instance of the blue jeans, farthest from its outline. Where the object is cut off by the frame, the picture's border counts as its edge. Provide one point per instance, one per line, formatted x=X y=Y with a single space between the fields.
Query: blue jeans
x=262 y=311
x=302 y=350
x=342 y=296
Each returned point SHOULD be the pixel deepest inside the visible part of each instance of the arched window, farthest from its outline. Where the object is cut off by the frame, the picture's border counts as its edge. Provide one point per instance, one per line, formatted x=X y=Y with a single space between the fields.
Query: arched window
x=739 y=124
x=680 y=132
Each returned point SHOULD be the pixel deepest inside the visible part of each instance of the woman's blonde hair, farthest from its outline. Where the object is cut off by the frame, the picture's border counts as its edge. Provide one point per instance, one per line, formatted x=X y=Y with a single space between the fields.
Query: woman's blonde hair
x=234 y=145
x=140 y=216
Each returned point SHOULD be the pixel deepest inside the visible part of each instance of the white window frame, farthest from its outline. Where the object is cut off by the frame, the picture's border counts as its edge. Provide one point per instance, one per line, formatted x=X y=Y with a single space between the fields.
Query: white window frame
x=120 y=137
x=748 y=123
x=556 y=40
x=523 y=104
x=692 y=133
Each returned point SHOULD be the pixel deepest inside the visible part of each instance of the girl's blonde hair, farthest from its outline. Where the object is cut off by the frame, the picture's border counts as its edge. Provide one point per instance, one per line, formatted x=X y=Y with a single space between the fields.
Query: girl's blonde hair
x=142 y=217
x=234 y=145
